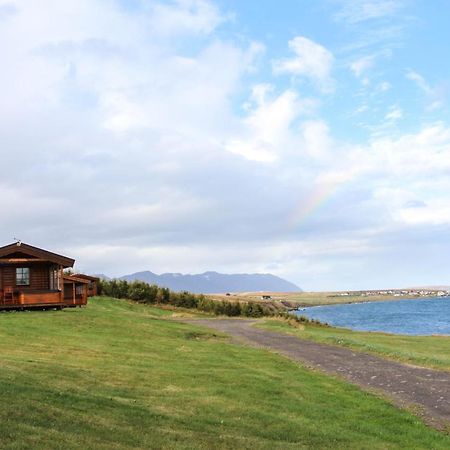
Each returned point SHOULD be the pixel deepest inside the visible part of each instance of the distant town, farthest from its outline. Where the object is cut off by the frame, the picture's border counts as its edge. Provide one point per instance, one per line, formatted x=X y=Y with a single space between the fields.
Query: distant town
x=396 y=293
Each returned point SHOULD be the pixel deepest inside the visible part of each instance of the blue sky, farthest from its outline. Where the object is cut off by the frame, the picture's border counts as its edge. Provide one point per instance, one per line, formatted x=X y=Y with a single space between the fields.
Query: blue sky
x=310 y=139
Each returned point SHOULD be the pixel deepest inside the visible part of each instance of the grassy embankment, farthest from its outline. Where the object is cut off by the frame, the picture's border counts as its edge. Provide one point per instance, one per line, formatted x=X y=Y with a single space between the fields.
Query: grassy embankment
x=426 y=351
x=123 y=375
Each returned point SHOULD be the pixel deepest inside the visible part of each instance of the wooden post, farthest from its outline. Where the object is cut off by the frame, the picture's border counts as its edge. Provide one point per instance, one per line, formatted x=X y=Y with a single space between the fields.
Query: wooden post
x=61 y=283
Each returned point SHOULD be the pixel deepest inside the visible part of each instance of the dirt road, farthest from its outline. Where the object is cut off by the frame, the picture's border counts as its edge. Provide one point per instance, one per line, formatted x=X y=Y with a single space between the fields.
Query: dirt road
x=426 y=391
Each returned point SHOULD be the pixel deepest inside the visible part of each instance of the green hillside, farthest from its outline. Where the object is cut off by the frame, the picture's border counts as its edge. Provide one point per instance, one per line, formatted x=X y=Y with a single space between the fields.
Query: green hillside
x=118 y=375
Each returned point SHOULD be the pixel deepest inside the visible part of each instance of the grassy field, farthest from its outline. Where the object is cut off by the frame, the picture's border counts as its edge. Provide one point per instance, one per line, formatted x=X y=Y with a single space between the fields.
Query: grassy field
x=118 y=375
x=426 y=351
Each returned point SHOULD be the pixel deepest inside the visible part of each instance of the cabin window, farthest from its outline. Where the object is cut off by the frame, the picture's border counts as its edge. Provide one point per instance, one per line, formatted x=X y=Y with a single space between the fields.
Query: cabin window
x=54 y=280
x=79 y=289
x=22 y=276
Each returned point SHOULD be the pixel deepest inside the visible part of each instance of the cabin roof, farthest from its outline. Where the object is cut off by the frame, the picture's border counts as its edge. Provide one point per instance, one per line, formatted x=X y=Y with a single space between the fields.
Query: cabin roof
x=75 y=278
x=35 y=253
x=86 y=277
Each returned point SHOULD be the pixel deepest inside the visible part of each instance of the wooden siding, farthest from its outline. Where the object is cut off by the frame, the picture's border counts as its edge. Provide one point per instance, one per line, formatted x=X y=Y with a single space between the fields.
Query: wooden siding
x=75 y=290
x=25 y=299
x=39 y=276
x=93 y=283
x=92 y=289
x=8 y=276
x=39 y=298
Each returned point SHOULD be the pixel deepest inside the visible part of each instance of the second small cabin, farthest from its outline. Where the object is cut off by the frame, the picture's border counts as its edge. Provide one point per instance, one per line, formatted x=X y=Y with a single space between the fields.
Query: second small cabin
x=92 y=283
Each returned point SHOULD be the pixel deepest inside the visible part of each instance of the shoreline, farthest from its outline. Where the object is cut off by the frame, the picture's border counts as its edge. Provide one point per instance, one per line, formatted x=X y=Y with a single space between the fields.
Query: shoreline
x=387 y=300
x=378 y=323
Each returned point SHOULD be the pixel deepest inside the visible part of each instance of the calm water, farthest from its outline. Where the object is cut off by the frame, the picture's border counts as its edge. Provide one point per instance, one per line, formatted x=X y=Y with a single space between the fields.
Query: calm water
x=418 y=316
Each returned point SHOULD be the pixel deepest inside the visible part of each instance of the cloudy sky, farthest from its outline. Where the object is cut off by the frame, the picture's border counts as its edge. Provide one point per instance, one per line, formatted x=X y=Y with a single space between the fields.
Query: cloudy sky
x=309 y=139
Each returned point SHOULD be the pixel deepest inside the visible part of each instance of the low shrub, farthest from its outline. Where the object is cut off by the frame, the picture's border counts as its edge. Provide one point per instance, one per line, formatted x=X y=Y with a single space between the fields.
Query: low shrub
x=142 y=292
x=145 y=293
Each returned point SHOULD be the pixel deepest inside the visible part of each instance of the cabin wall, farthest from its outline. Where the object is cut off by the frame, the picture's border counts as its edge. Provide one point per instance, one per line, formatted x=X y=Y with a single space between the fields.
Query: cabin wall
x=68 y=292
x=81 y=294
x=92 y=289
x=39 y=276
x=75 y=293
x=8 y=276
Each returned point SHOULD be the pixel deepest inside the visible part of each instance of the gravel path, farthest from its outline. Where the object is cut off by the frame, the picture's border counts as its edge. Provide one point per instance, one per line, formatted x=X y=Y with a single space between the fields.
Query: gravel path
x=427 y=391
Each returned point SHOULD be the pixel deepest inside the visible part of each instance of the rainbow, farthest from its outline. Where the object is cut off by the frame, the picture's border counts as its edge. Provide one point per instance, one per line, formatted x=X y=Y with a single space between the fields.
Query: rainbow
x=323 y=191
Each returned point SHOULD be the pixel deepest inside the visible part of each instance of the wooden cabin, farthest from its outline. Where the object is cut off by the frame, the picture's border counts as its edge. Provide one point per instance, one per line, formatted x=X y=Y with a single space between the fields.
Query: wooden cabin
x=92 y=283
x=31 y=277
x=75 y=290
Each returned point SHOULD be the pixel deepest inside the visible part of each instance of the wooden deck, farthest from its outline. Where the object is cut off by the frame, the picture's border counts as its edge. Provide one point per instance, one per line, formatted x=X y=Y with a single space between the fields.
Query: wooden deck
x=32 y=299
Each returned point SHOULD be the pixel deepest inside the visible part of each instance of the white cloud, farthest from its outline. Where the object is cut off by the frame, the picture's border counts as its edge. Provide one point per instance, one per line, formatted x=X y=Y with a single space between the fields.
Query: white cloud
x=364 y=67
x=434 y=213
x=317 y=139
x=185 y=16
x=7 y=10
x=311 y=61
x=114 y=111
x=361 y=109
x=435 y=95
x=419 y=80
x=353 y=12
x=395 y=113
x=425 y=153
x=361 y=65
x=253 y=150
x=266 y=132
x=384 y=86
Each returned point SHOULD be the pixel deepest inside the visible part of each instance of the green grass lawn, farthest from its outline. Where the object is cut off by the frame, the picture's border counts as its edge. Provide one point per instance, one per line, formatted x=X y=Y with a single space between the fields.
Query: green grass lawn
x=427 y=351
x=117 y=375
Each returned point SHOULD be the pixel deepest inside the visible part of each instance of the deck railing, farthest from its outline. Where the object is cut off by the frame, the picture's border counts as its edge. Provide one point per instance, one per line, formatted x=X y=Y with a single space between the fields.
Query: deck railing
x=30 y=297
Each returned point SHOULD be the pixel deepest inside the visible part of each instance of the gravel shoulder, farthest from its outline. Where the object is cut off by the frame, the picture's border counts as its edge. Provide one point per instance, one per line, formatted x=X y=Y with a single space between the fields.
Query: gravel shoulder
x=424 y=391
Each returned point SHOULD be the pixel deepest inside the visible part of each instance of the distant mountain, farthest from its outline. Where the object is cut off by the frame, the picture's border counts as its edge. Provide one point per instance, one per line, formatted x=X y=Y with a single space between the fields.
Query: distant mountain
x=214 y=282
x=101 y=276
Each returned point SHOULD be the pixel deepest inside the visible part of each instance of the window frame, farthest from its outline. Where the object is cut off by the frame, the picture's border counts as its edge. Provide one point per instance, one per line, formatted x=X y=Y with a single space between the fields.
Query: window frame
x=79 y=290
x=22 y=280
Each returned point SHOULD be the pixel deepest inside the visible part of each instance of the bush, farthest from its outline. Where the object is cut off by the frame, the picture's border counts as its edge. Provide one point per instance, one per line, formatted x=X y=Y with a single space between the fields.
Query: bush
x=139 y=291
x=253 y=310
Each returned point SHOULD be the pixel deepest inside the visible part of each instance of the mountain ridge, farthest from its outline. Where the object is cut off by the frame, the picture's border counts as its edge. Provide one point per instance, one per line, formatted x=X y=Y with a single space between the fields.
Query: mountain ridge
x=212 y=282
